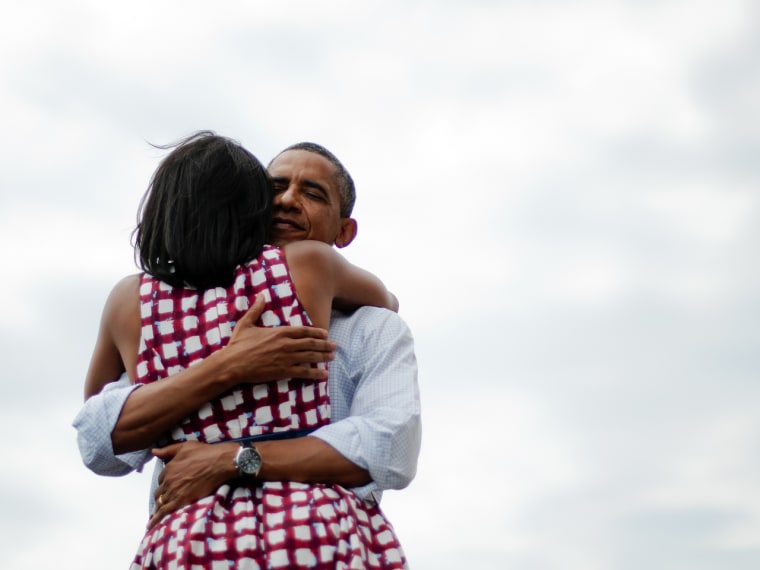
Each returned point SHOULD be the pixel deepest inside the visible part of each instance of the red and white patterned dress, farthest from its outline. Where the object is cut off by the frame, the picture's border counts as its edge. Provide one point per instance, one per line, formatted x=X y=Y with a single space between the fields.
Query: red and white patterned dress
x=249 y=525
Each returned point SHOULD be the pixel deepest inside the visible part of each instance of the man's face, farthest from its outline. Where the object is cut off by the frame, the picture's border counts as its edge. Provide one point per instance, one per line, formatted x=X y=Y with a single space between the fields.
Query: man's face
x=306 y=201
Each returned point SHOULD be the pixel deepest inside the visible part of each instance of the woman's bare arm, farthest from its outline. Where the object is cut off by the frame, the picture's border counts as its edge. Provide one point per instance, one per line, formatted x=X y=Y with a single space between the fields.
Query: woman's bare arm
x=325 y=279
x=116 y=345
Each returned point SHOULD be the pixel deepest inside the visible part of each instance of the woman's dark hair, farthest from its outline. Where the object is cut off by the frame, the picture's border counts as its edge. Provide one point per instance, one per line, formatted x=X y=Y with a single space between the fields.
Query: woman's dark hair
x=207 y=210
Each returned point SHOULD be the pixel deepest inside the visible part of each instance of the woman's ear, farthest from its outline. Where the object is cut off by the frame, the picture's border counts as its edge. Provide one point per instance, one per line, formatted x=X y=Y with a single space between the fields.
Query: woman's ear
x=348 y=229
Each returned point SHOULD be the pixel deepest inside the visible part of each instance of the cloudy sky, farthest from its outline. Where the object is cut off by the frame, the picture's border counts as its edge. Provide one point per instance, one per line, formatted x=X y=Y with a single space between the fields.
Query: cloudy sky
x=565 y=196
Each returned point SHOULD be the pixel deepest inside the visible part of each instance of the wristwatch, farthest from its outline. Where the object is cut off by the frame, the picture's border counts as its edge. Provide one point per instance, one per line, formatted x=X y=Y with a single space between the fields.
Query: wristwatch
x=248 y=460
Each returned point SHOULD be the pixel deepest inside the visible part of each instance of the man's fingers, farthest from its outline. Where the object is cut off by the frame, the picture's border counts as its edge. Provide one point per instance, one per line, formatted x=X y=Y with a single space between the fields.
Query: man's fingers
x=251 y=315
x=164 y=506
x=311 y=344
x=166 y=453
x=160 y=513
x=307 y=373
x=309 y=348
x=295 y=346
x=311 y=357
x=299 y=332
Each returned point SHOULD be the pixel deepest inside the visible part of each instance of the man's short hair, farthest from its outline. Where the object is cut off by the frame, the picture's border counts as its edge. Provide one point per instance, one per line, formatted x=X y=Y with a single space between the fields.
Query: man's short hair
x=343 y=179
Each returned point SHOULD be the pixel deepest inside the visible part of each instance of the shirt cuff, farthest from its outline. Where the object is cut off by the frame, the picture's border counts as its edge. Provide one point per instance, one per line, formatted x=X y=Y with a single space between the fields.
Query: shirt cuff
x=345 y=437
x=94 y=424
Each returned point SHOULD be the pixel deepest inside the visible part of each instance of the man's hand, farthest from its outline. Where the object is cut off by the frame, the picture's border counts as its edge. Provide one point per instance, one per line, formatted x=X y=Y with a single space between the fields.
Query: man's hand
x=263 y=354
x=193 y=470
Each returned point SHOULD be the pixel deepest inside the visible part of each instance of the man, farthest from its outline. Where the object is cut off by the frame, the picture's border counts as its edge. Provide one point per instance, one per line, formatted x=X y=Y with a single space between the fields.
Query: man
x=373 y=441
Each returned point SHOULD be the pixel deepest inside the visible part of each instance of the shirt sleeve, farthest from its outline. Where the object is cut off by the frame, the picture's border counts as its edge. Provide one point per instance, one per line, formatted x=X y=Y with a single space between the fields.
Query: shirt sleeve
x=94 y=424
x=381 y=430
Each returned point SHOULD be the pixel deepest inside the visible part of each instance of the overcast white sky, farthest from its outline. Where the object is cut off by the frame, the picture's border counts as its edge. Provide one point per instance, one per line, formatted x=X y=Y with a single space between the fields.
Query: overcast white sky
x=565 y=196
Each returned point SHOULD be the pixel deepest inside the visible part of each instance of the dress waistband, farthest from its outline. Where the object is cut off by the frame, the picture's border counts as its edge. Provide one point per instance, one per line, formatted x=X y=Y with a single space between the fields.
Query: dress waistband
x=271 y=436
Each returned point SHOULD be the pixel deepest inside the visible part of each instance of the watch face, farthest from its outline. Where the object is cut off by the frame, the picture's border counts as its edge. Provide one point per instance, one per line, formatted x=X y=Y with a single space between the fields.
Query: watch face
x=248 y=461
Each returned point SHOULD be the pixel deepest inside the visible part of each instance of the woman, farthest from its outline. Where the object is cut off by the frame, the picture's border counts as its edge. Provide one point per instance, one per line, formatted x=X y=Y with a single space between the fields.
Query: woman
x=201 y=239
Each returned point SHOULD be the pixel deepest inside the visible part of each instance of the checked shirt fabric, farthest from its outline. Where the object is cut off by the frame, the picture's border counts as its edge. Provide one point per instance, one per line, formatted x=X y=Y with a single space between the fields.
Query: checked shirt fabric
x=249 y=525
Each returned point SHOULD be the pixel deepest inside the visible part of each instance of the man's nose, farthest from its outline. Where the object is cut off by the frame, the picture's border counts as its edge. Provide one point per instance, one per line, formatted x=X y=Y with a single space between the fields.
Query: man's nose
x=288 y=199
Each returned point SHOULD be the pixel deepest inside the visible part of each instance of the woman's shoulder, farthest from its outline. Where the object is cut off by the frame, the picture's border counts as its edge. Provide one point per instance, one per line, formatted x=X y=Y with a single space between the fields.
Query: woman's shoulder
x=127 y=287
x=308 y=251
x=124 y=300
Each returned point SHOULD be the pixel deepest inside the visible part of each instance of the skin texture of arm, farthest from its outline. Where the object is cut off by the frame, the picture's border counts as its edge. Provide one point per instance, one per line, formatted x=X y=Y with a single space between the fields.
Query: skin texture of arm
x=325 y=280
x=116 y=345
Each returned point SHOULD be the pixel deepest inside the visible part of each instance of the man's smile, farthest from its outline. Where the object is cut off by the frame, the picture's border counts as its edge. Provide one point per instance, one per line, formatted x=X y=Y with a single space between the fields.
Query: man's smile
x=283 y=223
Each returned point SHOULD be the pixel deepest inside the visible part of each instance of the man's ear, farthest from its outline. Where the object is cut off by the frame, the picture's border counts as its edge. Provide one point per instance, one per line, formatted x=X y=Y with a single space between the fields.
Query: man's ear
x=348 y=229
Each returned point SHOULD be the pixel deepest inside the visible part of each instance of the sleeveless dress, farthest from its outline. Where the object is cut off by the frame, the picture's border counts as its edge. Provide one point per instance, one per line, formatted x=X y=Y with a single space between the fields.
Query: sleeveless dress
x=251 y=525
